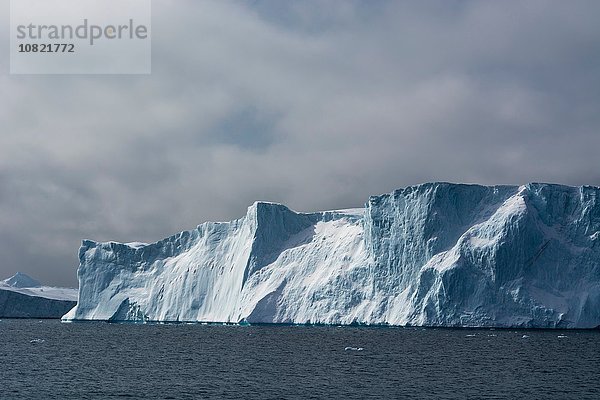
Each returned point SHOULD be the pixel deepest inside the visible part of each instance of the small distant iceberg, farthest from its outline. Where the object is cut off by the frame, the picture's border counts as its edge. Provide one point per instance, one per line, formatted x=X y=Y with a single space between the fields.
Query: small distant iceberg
x=348 y=348
x=24 y=297
x=20 y=280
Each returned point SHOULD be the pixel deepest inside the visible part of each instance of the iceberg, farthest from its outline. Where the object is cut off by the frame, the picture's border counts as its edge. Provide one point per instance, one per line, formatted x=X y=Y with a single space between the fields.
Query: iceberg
x=436 y=254
x=20 y=280
x=23 y=297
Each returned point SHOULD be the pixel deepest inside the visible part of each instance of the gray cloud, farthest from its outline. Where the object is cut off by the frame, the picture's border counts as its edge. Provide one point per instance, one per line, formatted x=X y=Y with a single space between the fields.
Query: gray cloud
x=316 y=104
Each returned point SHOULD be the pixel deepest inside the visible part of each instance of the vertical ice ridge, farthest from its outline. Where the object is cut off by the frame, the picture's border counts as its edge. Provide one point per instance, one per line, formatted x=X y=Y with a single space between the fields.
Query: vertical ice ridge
x=273 y=225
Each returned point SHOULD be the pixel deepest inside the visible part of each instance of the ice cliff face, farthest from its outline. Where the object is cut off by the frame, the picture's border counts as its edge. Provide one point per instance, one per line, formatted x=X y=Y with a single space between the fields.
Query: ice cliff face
x=435 y=254
x=24 y=297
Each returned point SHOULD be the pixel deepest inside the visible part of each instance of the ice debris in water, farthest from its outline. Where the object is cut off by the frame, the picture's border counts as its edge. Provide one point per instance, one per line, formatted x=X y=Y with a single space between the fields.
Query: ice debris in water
x=348 y=348
x=37 y=341
x=525 y=336
x=562 y=336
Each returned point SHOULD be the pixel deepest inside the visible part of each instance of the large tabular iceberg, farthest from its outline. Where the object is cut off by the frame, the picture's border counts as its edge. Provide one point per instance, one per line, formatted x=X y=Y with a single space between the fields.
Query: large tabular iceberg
x=436 y=254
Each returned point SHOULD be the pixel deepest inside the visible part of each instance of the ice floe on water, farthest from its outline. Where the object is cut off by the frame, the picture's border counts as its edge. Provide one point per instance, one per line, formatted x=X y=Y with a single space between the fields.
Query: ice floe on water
x=349 y=348
x=37 y=341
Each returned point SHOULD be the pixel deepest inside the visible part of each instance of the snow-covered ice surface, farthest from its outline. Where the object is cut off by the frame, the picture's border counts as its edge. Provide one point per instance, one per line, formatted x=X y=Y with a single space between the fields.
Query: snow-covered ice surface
x=21 y=283
x=24 y=297
x=20 y=280
x=436 y=254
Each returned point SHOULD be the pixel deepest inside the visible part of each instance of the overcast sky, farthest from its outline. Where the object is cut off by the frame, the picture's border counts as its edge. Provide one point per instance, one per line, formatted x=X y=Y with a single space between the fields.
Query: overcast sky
x=314 y=104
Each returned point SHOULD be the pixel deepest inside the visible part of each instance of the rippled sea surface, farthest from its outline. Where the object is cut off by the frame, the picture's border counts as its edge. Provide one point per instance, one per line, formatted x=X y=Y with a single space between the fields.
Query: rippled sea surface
x=53 y=360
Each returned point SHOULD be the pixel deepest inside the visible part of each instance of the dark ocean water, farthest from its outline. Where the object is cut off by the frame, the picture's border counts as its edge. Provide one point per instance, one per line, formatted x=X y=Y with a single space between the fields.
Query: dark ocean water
x=53 y=360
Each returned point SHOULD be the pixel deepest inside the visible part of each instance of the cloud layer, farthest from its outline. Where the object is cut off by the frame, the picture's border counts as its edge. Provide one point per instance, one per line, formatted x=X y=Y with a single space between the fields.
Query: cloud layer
x=316 y=104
